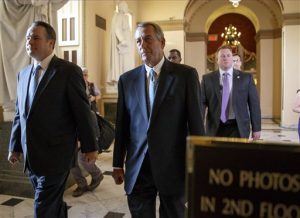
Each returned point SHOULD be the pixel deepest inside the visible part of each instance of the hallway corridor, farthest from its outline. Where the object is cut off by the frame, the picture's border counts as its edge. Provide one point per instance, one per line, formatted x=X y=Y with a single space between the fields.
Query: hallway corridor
x=109 y=200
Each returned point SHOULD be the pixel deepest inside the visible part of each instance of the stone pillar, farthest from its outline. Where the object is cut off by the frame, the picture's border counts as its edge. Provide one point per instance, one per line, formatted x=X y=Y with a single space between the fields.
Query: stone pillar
x=290 y=68
x=195 y=51
x=266 y=67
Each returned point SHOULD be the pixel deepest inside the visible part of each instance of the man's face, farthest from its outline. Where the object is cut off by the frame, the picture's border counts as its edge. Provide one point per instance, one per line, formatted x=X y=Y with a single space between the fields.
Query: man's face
x=38 y=46
x=174 y=57
x=237 y=62
x=149 y=46
x=85 y=76
x=225 y=59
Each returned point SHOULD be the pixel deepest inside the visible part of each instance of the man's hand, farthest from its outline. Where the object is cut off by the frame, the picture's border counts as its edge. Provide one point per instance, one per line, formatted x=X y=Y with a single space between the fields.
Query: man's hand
x=14 y=157
x=91 y=156
x=256 y=135
x=118 y=175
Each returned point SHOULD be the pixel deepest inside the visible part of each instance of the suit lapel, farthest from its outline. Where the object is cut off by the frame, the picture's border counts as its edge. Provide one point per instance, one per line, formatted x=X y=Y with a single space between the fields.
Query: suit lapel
x=217 y=86
x=25 y=87
x=48 y=75
x=140 y=90
x=235 y=84
x=165 y=80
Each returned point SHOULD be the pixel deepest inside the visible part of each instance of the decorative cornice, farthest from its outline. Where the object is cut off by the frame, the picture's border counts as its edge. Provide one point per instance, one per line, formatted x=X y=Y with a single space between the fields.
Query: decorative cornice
x=268 y=34
x=291 y=19
x=194 y=37
x=169 y=25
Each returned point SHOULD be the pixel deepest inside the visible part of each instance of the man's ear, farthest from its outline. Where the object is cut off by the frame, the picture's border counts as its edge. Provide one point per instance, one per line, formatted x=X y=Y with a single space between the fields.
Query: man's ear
x=52 y=43
x=163 y=43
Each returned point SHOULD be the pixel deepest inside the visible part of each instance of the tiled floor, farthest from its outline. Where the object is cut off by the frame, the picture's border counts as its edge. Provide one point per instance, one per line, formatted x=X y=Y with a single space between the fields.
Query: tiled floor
x=108 y=200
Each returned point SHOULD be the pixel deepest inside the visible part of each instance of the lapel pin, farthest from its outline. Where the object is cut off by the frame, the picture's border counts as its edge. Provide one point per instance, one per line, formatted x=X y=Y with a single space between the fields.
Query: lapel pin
x=238 y=77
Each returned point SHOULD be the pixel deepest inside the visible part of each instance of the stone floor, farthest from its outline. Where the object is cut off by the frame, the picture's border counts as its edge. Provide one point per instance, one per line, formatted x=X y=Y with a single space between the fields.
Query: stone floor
x=109 y=200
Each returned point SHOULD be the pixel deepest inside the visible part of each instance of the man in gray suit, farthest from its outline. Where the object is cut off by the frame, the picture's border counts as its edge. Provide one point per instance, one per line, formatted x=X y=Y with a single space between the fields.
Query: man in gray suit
x=231 y=99
x=151 y=138
x=52 y=112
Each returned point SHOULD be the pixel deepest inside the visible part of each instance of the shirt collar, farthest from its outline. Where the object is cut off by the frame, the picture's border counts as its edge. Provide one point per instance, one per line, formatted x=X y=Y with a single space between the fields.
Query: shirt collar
x=156 y=68
x=230 y=71
x=44 y=63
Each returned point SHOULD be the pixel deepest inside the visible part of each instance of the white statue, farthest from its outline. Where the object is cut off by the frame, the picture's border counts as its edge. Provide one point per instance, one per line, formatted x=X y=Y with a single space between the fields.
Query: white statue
x=122 y=54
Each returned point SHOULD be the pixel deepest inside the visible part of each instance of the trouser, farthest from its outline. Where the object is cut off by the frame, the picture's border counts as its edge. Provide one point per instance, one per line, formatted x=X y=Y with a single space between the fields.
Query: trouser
x=142 y=200
x=228 y=129
x=48 y=195
x=90 y=167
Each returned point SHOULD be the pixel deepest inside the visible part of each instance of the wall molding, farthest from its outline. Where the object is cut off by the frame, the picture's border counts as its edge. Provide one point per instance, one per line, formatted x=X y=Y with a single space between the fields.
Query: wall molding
x=291 y=19
x=195 y=37
x=170 y=25
x=268 y=34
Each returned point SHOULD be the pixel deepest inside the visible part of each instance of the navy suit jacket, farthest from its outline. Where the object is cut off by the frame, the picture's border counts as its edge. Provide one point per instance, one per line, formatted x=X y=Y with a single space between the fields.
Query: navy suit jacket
x=176 y=111
x=245 y=102
x=60 y=113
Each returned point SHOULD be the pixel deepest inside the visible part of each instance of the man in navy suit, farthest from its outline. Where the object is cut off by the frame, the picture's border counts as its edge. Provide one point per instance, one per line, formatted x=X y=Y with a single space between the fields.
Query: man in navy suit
x=152 y=142
x=242 y=107
x=46 y=130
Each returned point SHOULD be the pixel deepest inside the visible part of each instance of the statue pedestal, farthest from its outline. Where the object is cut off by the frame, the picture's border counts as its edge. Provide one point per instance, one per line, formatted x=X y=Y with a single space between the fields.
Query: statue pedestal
x=111 y=88
x=8 y=111
x=8 y=116
x=108 y=106
x=12 y=179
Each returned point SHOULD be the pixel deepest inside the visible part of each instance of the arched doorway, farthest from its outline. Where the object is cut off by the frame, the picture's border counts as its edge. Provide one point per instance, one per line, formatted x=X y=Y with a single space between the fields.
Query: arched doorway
x=247 y=47
x=265 y=17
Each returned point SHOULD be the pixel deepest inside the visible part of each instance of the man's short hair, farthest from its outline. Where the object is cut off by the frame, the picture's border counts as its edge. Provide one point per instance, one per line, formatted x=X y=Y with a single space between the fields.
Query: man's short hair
x=157 y=30
x=177 y=51
x=49 y=29
x=224 y=47
x=51 y=34
x=84 y=70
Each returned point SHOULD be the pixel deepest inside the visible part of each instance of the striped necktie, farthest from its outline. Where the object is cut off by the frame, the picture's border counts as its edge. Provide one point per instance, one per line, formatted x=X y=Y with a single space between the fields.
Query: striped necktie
x=34 y=81
x=152 y=86
x=225 y=97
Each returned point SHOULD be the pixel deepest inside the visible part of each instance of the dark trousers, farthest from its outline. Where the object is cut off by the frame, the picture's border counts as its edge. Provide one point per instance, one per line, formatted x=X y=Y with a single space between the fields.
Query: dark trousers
x=48 y=198
x=142 y=200
x=228 y=129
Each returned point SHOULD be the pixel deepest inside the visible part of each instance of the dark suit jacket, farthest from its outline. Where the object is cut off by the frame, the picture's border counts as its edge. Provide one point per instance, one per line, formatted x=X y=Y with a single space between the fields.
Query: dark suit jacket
x=245 y=102
x=47 y=134
x=176 y=110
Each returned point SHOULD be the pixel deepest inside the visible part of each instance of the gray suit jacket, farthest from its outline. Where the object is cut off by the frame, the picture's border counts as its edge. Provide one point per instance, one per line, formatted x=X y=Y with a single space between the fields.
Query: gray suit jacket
x=176 y=111
x=60 y=113
x=245 y=102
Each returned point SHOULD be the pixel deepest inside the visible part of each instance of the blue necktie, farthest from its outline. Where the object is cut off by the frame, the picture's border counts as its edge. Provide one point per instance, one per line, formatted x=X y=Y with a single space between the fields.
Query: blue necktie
x=152 y=87
x=34 y=80
x=225 y=97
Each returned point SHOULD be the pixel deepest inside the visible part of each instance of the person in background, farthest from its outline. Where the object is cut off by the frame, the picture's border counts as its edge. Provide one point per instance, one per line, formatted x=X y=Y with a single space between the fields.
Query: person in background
x=150 y=141
x=52 y=111
x=92 y=90
x=231 y=99
x=296 y=109
x=237 y=63
x=174 y=56
x=90 y=167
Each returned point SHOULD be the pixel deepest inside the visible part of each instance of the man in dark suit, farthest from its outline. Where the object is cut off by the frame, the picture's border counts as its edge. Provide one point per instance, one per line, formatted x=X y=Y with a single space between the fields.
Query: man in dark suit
x=174 y=56
x=48 y=121
x=151 y=138
x=230 y=115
